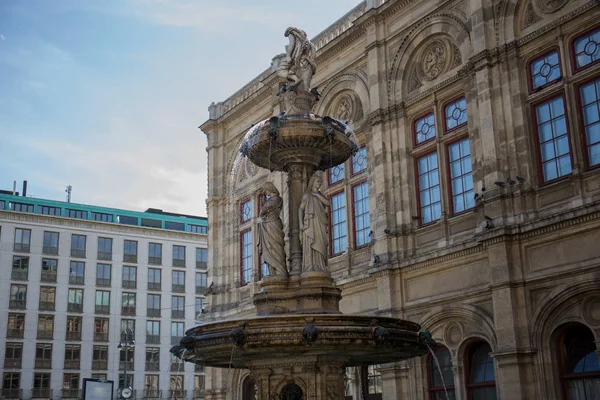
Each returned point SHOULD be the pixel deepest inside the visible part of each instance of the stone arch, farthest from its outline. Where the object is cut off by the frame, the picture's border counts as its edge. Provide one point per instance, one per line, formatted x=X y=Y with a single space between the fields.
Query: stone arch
x=237 y=383
x=440 y=23
x=353 y=83
x=278 y=387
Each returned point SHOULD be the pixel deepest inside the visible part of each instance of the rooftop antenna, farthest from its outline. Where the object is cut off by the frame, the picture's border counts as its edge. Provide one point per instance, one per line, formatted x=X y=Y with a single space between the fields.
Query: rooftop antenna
x=68 y=190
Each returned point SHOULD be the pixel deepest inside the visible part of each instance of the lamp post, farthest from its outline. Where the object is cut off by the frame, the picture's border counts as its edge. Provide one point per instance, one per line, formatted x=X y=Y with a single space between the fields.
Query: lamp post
x=126 y=391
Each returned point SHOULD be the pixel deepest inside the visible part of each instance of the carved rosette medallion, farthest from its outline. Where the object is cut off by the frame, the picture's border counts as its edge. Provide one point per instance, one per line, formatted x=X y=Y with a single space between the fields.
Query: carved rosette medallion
x=550 y=6
x=434 y=60
x=343 y=110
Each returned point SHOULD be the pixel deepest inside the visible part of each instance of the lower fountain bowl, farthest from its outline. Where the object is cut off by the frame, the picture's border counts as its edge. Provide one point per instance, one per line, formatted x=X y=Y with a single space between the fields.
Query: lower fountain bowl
x=359 y=340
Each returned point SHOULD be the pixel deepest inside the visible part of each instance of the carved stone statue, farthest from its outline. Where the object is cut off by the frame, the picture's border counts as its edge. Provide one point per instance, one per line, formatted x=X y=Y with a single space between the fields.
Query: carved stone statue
x=312 y=215
x=299 y=65
x=271 y=240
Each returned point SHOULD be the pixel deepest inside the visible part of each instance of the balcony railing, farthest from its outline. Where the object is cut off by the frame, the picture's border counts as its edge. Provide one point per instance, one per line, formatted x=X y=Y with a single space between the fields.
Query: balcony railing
x=105 y=255
x=175 y=339
x=15 y=333
x=48 y=277
x=152 y=366
x=178 y=288
x=72 y=364
x=155 y=260
x=153 y=285
x=154 y=312
x=152 y=339
x=45 y=334
x=99 y=364
x=152 y=394
x=47 y=305
x=178 y=262
x=22 y=247
x=70 y=393
x=41 y=394
x=12 y=363
x=50 y=250
x=102 y=309
x=102 y=282
x=177 y=394
x=200 y=290
x=129 y=284
x=43 y=363
x=201 y=264
x=73 y=335
x=177 y=366
x=129 y=365
x=177 y=313
x=12 y=393
x=19 y=274
x=75 y=307
x=79 y=253
x=76 y=280
x=130 y=311
x=132 y=258
x=101 y=336
x=198 y=394
x=18 y=304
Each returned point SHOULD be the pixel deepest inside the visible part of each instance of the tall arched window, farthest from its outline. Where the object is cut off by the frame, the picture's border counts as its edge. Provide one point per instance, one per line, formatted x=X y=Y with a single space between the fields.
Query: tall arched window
x=249 y=390
x=436 y=383
x=580 y=368
x=481 y=378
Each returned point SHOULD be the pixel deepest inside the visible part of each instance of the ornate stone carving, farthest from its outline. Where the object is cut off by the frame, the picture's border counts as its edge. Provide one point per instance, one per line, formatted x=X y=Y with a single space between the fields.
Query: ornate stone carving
x=433 y=60
x=271 y=238
x=298 y=66
x=457 y=58
x=343 y=111
x=530 y=16
x=310 y=333
x=413 y=81
x=314 y=221
x=453 y=334
x=550 y=6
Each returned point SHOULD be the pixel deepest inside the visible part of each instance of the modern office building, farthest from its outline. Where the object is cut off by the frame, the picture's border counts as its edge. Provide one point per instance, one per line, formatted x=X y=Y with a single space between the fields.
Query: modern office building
x=472 y=207
x=91 y=291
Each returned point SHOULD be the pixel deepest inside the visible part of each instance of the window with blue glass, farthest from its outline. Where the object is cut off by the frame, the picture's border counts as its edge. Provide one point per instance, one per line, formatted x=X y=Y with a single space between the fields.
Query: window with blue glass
x=545 y=70
x=461 y=179
x=336 y=174
x=424 y=128
x=590 y=103
x=246 y=211
x=246 y=256
x=264 y=269
x=481 y=384
x=455 y=113
x=362 y=222
x=555 y=155
x=359 y=161
x=46 y=210
x=338 y=223
x=587 y=48
x=429 y=188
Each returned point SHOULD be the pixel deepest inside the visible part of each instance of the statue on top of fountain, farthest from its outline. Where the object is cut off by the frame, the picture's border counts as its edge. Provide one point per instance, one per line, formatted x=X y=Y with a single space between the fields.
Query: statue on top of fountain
x=299 y=65
x=314 y=236
x=271 y=240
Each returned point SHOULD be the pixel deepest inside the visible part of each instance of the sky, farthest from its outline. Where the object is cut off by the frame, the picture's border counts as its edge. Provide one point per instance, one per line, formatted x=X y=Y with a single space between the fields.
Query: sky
x=107 y=95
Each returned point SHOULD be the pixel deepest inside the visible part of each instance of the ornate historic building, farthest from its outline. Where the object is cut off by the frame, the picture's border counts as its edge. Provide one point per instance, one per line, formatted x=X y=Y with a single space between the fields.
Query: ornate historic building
x=471 y=208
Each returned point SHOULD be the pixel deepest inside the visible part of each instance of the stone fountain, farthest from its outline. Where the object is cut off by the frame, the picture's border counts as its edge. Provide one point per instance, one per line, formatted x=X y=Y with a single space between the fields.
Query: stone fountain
x=299 y=343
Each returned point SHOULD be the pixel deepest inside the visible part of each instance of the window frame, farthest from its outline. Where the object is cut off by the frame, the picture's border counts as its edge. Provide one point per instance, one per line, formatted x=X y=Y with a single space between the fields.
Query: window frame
x=443 y=111
x=581 y=121
x=351 y=162
x=331 y=196
x=242 y=204
x=243 y=281
x=414 y=128
x=536 y=57
x=467 y=368
x=447 y=144
x=342 y=179
x=353 y=201
x=430 y=363
x=416 y=158
x=573 y=55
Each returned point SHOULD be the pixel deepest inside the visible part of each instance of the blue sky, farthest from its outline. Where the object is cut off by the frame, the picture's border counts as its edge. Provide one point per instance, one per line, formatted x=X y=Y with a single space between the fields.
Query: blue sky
x=107 y=95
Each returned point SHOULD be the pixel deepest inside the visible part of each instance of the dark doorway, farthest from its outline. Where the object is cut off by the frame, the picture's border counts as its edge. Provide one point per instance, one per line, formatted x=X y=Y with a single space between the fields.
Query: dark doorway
x=291 y=391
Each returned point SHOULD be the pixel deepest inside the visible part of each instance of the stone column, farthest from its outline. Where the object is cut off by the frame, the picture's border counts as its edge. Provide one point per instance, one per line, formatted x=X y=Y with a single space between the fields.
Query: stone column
x=298 y=177
x=391 y=376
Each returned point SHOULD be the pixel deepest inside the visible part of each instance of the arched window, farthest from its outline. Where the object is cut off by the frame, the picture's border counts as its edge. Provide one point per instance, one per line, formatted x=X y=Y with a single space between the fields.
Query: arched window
x=580 y=367
x=481 y=378
x=436 y=383
x=249 y=391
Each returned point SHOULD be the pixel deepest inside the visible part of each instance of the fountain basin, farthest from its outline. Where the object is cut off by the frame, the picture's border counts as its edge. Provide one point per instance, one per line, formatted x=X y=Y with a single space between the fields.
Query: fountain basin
x=358 y=340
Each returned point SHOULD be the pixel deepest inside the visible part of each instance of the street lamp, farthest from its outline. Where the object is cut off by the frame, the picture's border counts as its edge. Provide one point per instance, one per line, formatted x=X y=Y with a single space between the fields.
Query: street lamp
x=126 y=391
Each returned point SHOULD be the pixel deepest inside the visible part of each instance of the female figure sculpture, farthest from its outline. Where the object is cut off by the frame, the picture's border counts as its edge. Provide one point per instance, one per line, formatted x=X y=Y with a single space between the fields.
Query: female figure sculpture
x=299 y=64
x=271 y=240
x=312 y=215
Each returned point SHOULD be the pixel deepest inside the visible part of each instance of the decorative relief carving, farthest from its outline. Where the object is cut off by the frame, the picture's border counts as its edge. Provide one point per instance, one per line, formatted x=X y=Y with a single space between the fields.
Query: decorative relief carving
x=550 y=6
x=343 y=110
x=433 y=60
x=457 y=59
x=453 y=334
x=530 y=16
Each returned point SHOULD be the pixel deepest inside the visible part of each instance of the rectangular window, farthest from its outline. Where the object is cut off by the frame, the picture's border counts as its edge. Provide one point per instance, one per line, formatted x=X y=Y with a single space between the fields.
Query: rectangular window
x=49 y=270
x=544 y=70
x=22 y=207
x=359 y=161
x=176 y=386
x=72 y=356
x=76 y=214
x=41 y=385
x=100 y=357
x=362 y=222
x=130 y=251
x=151 y=223
x=155 y=253
x=178 y=256
x=16 y=326
x=424 y=128
x=46 y=210
x=77 y=273
x=429 y=188
x=129 y=277
x=11 y=384
x=102 y=302
x=590 y=103
x=74 y=325
x=75 y=303
x=551 y=124
x=246 y=256
x=177 y=307
x=336 y=174
x=152 y=364
x=122 y=380
x=125 y=220
x=128 y=304
x=461 y=179
x=455 y=114
x=200 y=282
x=78 y=246
x=177 y=331
x=22 y=240
x=587 y=48
x=43 y=355
x=153 y=305
x=101 y=329
x=197 y=228
x=20 y=268
x=50 y=243
x=174 y=226
x=200 y=304
x=152 y=332
x=102 y=217
x=127 y=357
x=105 y=248
x=245 y=211
x=2 y=205
x=45 y=329
x=103 y=274
x=154 y=278
x=338 y=223
x=127 y=326
x=178 y=281
x=14 y=355
x=18 y=296
x=47 y=298
x=70 y=385
x=201 y=258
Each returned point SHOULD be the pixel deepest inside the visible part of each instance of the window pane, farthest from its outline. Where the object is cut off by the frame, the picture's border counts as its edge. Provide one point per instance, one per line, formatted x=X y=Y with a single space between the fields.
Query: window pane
x=362 y=222
x=424 y=128
x=246 y=242
x=359 y=160
x=590 y=98
x=336 y=174
x=456 y=113
x=554 y=143
x=429 y=189
x=246 y=211
x=545 y=69
x=587 y=48
x=338 y=223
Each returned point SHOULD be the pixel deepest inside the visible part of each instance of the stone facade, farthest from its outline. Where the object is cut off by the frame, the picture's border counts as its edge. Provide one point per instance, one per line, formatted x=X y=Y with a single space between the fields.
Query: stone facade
x=518 y=269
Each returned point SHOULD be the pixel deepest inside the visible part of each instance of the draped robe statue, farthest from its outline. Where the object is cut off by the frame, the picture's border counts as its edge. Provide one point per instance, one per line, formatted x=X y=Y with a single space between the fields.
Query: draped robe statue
x=299 y=65
x=314 y=226
x=271 y=240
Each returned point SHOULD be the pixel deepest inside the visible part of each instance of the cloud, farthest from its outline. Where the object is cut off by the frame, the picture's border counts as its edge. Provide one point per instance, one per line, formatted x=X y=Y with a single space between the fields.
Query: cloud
x=2 y=37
